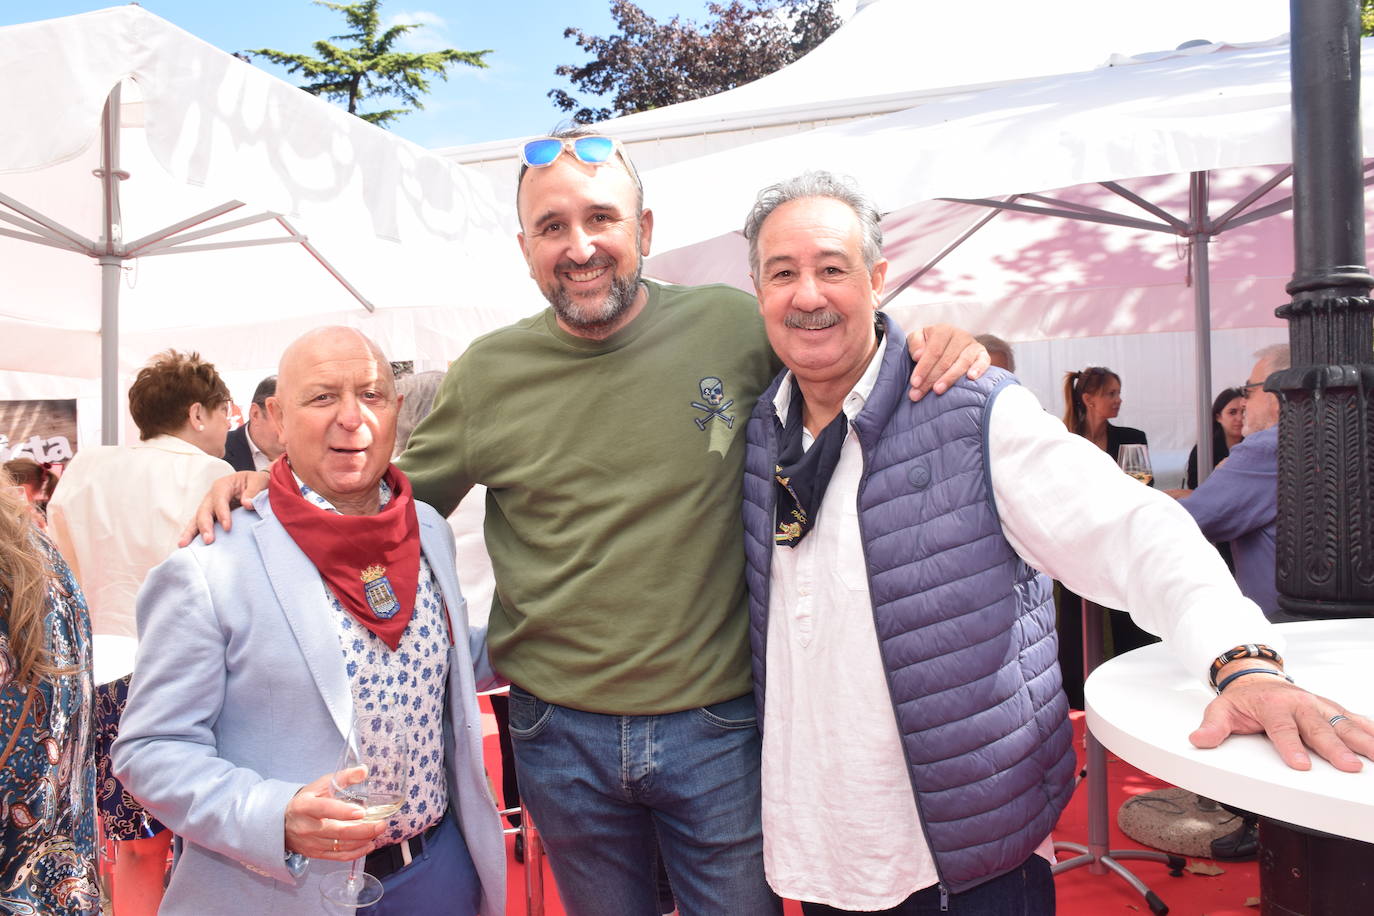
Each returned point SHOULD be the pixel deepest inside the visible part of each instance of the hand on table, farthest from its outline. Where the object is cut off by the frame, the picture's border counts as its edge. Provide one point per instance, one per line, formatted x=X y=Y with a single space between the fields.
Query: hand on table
x=943 y=353
x=1294 y=720
x=217 y=504
x=320 y=826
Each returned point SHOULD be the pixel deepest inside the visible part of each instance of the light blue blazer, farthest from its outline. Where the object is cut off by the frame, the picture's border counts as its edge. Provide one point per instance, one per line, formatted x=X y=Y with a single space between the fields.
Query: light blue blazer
x=240 y=697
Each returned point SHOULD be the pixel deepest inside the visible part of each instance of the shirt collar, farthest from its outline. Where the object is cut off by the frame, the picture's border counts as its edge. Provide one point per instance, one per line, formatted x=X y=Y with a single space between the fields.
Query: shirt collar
x=315 y=499
x=170 y=443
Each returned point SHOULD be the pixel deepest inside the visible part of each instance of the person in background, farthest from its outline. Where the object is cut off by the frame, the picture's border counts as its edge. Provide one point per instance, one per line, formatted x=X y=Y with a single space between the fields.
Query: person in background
x=116 y=515
x=1000 y=353
x=47 y=765
x=38 y=481
x=1092 y=398
x=1228 y=422
x=1238 y=502
x=418 y=392
x=254 y=445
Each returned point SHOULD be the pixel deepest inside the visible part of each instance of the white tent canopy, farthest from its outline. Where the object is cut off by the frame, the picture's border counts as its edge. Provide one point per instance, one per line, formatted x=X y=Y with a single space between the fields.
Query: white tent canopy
x=893 y=55
x=1217 y=114
x=220 y=171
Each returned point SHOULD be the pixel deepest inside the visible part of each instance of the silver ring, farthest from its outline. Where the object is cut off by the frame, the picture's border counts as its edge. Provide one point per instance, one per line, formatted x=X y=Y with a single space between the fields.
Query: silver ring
x=1336 y=718
x=336 y=839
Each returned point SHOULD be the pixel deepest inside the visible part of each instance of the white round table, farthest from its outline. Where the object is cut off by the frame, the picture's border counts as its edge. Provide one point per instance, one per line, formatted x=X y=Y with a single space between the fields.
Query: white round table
x=1142 y=706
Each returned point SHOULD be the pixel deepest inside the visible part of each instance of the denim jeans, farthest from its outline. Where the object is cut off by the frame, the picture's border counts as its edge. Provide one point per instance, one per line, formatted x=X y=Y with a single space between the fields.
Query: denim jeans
x=1025 y=891
x=601 y=788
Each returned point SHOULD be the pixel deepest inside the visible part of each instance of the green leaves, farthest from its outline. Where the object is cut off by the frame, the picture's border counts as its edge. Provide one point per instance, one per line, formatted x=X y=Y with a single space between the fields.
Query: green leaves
x=647 y=64
x=367 y=67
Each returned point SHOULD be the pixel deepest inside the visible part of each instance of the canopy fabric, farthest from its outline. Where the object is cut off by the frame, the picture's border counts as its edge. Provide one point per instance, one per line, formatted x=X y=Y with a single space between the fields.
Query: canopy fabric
x=424 y=241
x=1220 y=110
x=895 y=54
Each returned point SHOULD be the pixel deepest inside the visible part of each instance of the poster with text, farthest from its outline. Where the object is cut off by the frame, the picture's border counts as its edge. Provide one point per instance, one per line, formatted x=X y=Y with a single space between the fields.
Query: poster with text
x=42 y=430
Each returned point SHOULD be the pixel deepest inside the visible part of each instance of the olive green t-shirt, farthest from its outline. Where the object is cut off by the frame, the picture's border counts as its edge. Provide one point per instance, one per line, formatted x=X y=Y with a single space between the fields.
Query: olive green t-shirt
x=614 y=474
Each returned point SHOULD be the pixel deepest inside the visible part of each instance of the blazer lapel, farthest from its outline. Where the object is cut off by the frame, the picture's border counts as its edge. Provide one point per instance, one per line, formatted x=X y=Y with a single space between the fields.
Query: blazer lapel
x=300 y=592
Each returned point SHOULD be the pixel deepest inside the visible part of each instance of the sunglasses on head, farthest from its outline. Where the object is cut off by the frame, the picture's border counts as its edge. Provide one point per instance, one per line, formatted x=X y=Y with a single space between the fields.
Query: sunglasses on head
x=544 y=151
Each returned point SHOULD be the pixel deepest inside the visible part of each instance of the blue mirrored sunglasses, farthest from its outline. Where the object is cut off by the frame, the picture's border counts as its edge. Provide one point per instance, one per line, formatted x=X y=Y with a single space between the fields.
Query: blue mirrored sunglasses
x=545 y=151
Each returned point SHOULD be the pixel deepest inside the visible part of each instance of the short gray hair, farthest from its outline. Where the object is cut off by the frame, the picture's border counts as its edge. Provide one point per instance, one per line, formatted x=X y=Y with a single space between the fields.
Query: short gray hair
x=1277 y=356
x=994 y=344
x=816 y=184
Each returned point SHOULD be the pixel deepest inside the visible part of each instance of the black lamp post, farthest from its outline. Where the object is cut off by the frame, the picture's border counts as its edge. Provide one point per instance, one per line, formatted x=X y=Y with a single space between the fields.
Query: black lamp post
x=1326 y=420
x=1326 y=416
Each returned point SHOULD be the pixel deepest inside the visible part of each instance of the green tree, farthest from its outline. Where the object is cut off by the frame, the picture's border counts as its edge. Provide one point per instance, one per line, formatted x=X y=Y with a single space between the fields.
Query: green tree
x=370 y=67
x=1367 y=17
x=647 y=64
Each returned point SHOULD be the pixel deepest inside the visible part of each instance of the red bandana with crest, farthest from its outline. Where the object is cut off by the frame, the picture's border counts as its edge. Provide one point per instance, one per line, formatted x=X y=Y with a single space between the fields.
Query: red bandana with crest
x=370 y=562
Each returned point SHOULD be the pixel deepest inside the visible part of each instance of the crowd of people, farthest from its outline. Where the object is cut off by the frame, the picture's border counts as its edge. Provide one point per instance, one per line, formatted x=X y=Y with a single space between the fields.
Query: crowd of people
x=853 y=699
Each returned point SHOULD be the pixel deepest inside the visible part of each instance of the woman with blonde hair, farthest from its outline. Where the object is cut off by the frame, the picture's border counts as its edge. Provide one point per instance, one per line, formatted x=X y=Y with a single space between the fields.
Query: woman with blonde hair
x=47 y=761
x=1092 y=398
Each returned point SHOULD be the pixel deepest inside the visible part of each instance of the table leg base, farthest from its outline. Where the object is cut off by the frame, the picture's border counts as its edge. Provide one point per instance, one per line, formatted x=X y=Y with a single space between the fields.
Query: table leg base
x=1101 y=863
x=1306 y=872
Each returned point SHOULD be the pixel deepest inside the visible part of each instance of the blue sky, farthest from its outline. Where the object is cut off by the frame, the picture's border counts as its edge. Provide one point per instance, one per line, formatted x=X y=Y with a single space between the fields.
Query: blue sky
x=506 y=100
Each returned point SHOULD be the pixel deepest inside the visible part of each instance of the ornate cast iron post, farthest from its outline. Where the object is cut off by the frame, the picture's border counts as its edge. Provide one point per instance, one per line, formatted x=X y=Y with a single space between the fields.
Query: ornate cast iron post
x=1326 y=424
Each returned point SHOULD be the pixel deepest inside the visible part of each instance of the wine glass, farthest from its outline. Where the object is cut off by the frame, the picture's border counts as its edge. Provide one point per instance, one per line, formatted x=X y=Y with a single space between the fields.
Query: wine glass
x=378 y=745
x=1135 y=460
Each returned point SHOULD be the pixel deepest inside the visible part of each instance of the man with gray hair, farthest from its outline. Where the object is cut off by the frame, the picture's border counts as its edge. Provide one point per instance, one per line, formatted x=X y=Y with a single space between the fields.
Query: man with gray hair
x=1239 y=501
x=999 y=351
x=897 y=555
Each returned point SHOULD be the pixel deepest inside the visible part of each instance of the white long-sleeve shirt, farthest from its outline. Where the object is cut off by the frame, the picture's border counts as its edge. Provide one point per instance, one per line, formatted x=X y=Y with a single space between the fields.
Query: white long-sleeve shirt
x=840 y=823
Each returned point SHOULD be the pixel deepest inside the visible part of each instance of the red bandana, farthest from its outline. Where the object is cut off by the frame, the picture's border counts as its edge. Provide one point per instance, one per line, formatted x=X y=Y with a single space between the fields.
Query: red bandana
x=370 y=562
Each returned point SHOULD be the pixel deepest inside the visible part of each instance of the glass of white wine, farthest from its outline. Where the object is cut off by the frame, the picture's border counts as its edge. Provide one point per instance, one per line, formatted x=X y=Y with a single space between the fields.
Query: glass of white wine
x=1135 y=460
x=378 y=745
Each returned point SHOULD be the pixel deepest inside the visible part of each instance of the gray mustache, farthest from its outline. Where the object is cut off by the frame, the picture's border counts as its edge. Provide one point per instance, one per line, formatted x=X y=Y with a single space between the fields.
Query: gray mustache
x=811 y=321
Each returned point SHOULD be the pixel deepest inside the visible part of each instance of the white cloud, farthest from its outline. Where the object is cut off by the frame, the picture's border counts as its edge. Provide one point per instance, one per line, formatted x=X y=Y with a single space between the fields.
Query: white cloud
x=431 y=36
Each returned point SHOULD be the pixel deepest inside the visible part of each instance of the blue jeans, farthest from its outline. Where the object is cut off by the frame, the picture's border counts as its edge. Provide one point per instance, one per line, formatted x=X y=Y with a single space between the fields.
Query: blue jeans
x=601 y=788
x=1024 y=891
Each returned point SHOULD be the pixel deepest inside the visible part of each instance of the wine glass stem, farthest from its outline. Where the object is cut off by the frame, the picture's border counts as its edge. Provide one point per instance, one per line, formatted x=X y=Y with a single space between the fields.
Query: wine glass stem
x=353 y=881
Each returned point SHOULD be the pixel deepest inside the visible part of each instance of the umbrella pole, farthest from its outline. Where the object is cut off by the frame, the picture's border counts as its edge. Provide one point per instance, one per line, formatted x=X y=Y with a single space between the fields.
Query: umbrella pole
x=112 y=256
x=109 y=348
x=1202 y=318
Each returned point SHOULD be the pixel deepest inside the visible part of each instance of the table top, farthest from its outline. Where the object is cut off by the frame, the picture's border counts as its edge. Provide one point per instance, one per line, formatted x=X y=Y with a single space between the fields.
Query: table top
x=1142 y=705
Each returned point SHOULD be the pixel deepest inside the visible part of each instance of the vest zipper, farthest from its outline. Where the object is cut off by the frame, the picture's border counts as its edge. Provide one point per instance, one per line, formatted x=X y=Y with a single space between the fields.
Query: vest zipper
x=887 y=676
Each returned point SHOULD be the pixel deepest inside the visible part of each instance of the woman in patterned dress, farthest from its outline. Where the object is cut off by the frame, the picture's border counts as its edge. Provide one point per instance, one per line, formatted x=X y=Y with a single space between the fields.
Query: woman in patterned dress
x=47 y=762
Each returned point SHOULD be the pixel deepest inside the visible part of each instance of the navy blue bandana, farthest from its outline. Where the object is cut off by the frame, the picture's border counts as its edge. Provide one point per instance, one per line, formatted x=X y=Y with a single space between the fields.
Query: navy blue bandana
x=802 y=475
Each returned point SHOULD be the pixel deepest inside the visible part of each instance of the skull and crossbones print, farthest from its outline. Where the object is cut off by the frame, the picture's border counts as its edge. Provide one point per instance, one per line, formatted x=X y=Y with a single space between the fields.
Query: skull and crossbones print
x=713 y=393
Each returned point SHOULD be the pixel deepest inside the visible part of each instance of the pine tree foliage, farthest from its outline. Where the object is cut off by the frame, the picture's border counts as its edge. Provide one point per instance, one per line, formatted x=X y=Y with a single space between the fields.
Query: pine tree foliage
x=368 y=66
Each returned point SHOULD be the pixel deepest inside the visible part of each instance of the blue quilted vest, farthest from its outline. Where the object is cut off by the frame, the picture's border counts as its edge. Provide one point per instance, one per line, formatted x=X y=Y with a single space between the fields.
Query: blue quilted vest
x=965 y=628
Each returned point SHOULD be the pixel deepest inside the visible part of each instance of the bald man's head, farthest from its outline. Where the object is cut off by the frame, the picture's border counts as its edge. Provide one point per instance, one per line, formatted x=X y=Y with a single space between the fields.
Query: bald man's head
x=335 y=409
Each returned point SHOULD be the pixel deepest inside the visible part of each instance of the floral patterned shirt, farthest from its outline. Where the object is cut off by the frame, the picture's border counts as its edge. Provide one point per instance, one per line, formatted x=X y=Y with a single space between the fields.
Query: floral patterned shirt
x=47 y=763
x=409 y=682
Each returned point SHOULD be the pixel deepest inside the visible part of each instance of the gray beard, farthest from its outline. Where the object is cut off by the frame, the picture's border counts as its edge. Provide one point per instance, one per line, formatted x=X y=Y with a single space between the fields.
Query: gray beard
x=596 y=321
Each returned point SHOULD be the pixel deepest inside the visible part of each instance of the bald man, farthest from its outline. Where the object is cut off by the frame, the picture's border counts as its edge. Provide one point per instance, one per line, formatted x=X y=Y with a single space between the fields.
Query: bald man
x=334 y=598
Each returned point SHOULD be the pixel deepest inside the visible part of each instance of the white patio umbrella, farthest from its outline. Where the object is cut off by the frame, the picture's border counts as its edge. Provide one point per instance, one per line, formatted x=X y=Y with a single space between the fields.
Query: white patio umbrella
x=126 y=141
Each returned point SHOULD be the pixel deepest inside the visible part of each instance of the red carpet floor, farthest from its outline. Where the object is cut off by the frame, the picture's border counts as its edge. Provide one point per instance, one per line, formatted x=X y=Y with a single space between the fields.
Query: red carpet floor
x=1080 y=892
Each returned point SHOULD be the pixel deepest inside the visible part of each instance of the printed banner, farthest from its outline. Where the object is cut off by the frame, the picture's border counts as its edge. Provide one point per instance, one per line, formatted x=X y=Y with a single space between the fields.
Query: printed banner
x=41 y=430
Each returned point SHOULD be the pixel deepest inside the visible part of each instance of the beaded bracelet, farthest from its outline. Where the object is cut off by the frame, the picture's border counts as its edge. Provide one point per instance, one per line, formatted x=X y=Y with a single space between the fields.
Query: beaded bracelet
x=1250 y=650
x=1244 y=671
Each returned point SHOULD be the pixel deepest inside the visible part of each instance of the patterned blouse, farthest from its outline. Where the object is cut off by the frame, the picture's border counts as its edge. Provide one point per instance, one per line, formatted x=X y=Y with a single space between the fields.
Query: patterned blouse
x=409 y=682
x=47 y=765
